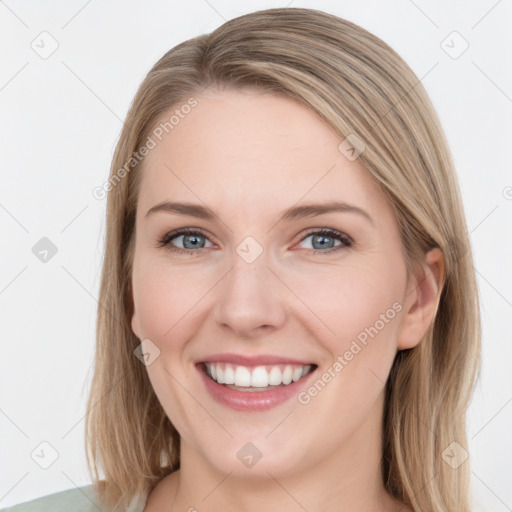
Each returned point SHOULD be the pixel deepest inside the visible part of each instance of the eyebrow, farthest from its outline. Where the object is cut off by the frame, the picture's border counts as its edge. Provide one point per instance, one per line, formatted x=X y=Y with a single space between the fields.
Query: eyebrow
x=293 y=213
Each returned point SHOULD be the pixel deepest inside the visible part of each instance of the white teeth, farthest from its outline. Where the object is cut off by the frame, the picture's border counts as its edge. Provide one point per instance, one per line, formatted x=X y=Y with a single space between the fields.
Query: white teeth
x=257 y=377
x=242 y=376
x=229 y=375
x=306 y=370
x=297 y=374
x=287 y=375
x=275 y=376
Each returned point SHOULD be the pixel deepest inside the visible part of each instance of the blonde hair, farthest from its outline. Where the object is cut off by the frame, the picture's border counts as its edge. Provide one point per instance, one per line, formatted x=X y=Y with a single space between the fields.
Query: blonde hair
x=358 y=85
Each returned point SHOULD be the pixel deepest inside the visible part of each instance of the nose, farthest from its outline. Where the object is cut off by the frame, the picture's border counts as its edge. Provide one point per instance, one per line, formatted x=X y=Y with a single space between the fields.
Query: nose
x=250 y=299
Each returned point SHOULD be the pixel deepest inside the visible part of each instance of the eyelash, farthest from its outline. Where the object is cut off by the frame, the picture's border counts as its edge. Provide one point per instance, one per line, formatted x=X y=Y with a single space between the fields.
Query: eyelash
x=331 y=233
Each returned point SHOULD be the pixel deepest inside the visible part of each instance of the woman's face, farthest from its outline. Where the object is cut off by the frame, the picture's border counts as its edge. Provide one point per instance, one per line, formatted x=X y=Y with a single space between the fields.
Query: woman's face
x=258 y=294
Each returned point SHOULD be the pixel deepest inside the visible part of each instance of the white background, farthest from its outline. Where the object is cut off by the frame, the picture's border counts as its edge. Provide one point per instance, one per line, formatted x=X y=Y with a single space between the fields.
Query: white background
x=60 y=120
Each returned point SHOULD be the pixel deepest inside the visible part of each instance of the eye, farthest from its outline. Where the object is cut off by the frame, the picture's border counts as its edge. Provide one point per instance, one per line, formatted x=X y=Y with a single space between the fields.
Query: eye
x=192 y=240
x=325 y=238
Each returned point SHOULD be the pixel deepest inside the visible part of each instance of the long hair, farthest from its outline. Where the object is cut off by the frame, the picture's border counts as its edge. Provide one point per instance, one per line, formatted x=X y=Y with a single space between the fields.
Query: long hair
x=359 y=86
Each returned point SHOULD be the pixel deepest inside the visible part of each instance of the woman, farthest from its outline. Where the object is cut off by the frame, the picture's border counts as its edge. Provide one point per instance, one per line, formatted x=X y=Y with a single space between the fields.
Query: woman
x=288 y=316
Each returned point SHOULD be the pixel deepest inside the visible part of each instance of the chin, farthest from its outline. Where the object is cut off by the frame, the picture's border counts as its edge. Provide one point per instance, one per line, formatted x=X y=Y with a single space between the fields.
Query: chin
x=261 y=459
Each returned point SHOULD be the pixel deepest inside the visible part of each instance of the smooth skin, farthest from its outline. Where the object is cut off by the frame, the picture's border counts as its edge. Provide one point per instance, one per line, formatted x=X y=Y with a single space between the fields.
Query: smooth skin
x=249 y=155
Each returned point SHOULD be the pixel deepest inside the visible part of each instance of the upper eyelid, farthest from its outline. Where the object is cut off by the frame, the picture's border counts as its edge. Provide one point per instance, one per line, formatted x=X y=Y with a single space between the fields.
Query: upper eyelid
x=186 y=231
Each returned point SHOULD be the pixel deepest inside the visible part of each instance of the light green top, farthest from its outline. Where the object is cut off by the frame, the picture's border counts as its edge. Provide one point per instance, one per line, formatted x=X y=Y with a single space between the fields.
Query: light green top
x=79 y=499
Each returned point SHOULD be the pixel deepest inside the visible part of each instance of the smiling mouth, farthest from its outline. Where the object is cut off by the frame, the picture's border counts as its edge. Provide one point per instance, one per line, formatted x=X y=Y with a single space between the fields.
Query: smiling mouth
x=255 y=378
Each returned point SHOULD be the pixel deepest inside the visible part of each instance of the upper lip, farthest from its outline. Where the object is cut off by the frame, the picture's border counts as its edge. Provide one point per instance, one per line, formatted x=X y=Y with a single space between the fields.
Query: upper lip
x=244 y=360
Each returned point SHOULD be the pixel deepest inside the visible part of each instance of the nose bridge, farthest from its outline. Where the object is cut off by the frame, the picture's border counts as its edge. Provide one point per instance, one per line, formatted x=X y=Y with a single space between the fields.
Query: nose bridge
x=249 y=297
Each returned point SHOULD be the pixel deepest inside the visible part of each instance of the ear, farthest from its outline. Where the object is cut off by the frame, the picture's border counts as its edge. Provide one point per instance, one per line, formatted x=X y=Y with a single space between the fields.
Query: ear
x=135 y=318
x=421 y=300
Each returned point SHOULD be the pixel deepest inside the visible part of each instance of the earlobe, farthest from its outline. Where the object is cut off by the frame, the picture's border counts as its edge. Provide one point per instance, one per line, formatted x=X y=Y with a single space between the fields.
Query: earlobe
x=135 y=329
x=134 y=321
x=422 y=300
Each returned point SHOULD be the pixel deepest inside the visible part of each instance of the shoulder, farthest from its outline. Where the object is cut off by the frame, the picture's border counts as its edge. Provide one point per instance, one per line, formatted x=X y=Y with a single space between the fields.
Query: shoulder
x=78 y=499
x=163 y=492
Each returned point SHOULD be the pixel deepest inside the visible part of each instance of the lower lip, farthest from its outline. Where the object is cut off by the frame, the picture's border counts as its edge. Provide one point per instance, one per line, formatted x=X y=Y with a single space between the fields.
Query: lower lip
x=252 y=400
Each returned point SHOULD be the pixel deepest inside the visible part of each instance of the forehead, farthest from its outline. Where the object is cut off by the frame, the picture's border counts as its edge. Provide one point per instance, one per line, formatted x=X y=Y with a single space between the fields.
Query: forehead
x=246 y=147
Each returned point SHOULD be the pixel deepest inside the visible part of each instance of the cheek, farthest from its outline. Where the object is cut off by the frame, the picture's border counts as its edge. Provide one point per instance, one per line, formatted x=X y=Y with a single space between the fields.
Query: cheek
x=361 y=306
x=353 y=302
x=165 y=299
